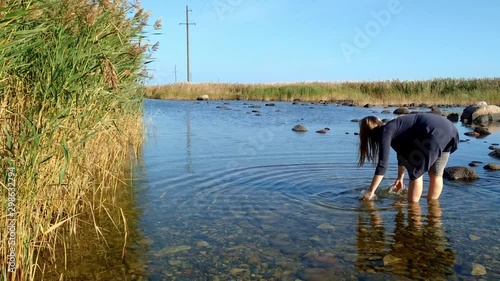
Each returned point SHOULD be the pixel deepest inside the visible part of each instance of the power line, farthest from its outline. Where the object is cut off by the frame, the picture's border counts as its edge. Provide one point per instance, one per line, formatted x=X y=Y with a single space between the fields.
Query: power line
x=187 y=23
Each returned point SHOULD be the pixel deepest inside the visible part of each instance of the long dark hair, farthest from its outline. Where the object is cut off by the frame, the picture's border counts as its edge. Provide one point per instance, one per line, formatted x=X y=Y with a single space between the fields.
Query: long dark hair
x=369 y=130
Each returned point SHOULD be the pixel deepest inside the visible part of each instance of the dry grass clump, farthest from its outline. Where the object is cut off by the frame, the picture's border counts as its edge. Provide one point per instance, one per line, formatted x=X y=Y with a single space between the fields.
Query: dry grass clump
x=436 y=91
x=70 y=121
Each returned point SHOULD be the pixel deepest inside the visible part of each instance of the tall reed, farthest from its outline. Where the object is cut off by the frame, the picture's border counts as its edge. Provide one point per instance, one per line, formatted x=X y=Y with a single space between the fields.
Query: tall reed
x=71 y=76
x=436 y=91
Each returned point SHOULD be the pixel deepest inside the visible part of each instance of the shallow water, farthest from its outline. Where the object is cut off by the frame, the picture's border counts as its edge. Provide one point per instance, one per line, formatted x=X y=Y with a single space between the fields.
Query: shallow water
x=228 y=195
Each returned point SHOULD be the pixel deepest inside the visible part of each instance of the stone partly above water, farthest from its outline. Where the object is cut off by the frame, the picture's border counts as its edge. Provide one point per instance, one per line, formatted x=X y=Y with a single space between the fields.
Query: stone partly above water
x=495 y=153
x=460 y=173
x=492 y=167
x=480 y=114
x=172 y=250
x=299 y=128
x=482 y=131
x=401 y=110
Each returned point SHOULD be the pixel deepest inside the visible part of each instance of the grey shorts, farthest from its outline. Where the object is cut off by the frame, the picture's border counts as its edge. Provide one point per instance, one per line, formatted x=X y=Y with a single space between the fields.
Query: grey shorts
x=438 y=167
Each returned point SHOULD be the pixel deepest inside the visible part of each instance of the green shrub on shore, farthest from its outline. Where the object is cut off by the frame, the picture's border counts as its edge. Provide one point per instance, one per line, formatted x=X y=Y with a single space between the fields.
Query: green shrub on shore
x=436 y=91
x=70 y=108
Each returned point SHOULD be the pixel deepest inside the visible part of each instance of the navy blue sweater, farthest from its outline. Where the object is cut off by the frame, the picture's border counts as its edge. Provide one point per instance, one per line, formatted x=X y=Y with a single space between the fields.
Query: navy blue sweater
x=418 y=139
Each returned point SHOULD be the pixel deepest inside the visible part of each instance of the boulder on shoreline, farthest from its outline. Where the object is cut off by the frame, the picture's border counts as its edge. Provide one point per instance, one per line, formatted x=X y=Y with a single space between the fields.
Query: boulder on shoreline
x=202 y=97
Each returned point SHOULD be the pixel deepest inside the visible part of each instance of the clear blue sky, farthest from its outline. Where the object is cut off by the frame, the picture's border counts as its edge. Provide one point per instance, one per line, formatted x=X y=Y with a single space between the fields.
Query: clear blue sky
x=260 y=41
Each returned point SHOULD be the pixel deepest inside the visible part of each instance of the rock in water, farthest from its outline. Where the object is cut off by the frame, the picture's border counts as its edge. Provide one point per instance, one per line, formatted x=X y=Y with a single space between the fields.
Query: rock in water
x=436 y=110
x=472 y=114
x=202 y=244
x=460 y=173
x=472 y=134
x=492 y=167
x=323 y=131
x=326 y=226
x=299 y=128
x=236 y=271
x=316 y=259
x=482 y=131
x=474 y=237
x=478 y=269
x=389 y=259
x=172 y=250
x=495 y=153
x=402 y=110
x=453 y=117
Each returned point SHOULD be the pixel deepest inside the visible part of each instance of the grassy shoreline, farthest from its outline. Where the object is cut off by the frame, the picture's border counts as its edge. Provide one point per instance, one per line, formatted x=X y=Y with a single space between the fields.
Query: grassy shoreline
x=437 y=91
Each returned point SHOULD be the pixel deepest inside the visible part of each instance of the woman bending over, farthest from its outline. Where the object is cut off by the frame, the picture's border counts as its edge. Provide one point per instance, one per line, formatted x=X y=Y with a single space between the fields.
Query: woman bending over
x=423 y=143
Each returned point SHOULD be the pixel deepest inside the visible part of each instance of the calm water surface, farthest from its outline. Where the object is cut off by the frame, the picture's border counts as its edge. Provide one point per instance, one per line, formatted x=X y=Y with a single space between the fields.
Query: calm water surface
x=226 y=194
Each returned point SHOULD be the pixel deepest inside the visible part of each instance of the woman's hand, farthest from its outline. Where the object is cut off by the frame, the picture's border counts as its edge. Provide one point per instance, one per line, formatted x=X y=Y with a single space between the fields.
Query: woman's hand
x=367 y=196
x=398 y=185
x=370 y=193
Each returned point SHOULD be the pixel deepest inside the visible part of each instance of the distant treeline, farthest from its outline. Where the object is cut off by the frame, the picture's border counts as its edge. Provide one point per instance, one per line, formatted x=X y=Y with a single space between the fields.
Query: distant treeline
x=436 y=91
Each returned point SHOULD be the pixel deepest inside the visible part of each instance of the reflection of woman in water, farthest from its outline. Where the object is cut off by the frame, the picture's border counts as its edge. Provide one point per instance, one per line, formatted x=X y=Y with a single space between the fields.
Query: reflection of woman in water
x=419 y=250
x=370 y=239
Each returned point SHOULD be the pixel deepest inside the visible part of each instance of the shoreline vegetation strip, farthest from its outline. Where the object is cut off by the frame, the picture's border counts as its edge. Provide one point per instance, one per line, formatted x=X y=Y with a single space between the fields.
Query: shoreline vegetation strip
x=436 y=91
x=71 y=91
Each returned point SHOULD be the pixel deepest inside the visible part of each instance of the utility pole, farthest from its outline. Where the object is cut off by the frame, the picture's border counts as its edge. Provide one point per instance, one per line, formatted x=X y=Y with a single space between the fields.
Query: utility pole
x=175 y=72
x=187 y=23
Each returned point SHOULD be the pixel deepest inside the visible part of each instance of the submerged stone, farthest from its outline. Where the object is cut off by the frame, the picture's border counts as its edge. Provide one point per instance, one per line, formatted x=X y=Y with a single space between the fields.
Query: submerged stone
x=326 y=226
x=474 y=237
x=202 y=244
x=390 y=259
x=172 y=250
x=315 y=259
x=478 y=269
x=236 y=271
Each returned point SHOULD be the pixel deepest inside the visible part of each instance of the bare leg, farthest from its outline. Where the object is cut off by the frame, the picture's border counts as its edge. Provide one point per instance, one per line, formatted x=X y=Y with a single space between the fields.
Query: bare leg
x=415 y=190
x=435 y=186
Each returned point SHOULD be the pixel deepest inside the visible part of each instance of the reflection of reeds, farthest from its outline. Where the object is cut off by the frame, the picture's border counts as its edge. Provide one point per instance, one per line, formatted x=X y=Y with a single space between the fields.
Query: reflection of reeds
x=70 y=109
x=437 y=91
